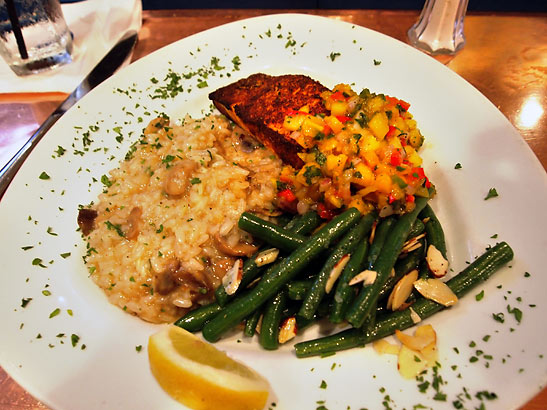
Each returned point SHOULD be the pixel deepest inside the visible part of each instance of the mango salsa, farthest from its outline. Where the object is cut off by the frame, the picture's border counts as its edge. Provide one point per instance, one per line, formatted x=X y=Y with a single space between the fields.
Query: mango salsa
x=363 y=155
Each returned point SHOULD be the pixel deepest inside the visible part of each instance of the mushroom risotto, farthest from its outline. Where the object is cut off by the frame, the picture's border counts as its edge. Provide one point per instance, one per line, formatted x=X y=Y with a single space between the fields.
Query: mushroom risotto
x=164 y=231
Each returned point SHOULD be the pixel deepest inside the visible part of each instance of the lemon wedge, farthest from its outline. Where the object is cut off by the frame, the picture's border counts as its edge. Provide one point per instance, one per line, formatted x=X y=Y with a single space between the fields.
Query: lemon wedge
x=202 y=377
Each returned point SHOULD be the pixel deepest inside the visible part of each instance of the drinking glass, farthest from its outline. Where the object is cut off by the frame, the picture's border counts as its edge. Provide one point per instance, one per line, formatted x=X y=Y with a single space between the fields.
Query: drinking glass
x=33 y=35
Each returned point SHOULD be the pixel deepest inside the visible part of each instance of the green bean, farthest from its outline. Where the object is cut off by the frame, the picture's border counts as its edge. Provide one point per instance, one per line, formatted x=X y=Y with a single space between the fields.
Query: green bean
x=251 y=322
x=346 y=246
x=417 y=228
x=194 y=320
x=271 y=319
x=344 y=293
x=368 y=295
x=380 y=235
x=477 y=272
x=298 y=288
x=434 y=230
x=269 y=232
x=277 y=277
x=304 y=224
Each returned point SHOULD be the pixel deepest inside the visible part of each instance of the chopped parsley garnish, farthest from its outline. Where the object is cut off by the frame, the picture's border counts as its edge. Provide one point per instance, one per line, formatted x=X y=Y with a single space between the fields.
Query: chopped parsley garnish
x=106 y=181
x=310 y=173
x=167 y=160
x=74 y=339
x=38 y=262
x=334 y=55
x=44 y=176
x=515 y=312
x=54 y=313
x=499 y=317
x=479 y=295
x=458 y=166
x=25 y=302
x=492 y=193
x=115 y=227
x=195 y=181
x=377 y=62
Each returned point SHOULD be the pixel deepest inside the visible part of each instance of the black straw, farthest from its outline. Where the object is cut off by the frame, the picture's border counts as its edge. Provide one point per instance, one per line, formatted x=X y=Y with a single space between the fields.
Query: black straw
x=12 y=12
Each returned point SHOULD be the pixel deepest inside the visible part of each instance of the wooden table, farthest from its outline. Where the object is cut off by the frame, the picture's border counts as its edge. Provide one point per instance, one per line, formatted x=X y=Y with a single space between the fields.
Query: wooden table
x=505 y=58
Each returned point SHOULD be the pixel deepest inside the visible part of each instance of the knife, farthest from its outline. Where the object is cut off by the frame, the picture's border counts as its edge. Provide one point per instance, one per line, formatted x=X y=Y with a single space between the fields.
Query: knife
x=104 y=69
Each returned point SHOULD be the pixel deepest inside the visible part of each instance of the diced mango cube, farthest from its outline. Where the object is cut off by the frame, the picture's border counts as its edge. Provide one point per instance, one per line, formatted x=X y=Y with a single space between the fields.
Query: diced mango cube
x=335 y=163
x=383 y=183
x=368 y=143
x=334 y=199
x=379 y=125
x=339 y=108
x=334 y=123
x=293 y=122
x=363 y=175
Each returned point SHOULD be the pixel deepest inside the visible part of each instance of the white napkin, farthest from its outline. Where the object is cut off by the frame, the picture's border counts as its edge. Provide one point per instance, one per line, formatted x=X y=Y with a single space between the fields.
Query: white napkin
x=96 y=25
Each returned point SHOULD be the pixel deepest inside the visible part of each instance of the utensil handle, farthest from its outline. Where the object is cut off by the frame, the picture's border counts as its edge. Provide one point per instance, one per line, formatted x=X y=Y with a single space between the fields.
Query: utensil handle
x=10 y=169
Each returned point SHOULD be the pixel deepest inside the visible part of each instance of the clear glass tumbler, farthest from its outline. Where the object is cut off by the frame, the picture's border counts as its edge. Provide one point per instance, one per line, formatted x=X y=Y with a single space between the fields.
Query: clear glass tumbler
x=33 y=35
x=439 y=29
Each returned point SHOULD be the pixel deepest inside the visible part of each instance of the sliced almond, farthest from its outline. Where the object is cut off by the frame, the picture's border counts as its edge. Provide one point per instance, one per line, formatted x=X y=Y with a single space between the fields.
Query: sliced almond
x=368 y=277
x=436 y=262
x=410 y=363
x=287 y=330
x=266 y=257
x=402 y=290
x=414 y=316
x=336 y=272
x=436 y=290
x=232 y=279
x=382 y=346
x=420 y=339
x=412 y=244
x=430 y=354
x=426 y=331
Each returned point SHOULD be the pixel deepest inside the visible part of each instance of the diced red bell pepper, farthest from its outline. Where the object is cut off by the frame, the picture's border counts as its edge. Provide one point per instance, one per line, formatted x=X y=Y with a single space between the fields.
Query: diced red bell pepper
x=287 y=195
x=391 y=199
x=338 y=96
x=392 y=131
x=396 y=158
x=296 y=112
x=324 y=212
x=417 y=172
x=404 y=105
x=343 y=118
x=394 y=101
x=410 y=198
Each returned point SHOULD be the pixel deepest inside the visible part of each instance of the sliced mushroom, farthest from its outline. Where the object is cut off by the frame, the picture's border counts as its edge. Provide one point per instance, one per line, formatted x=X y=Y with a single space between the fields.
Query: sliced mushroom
x=166 y=281
x=133 y=223
x=86 y=220
x=239 y=249
x=178 y=177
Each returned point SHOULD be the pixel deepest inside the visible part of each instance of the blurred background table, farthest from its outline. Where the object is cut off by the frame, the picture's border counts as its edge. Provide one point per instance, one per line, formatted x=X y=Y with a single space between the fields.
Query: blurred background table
x=505 y=58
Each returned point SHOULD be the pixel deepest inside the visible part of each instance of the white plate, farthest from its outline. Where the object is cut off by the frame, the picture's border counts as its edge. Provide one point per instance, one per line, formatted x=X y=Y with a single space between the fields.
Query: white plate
x=460 y=125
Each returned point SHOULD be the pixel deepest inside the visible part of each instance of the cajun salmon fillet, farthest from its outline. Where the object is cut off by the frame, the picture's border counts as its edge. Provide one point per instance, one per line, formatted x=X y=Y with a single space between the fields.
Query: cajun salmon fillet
x=260 y=102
